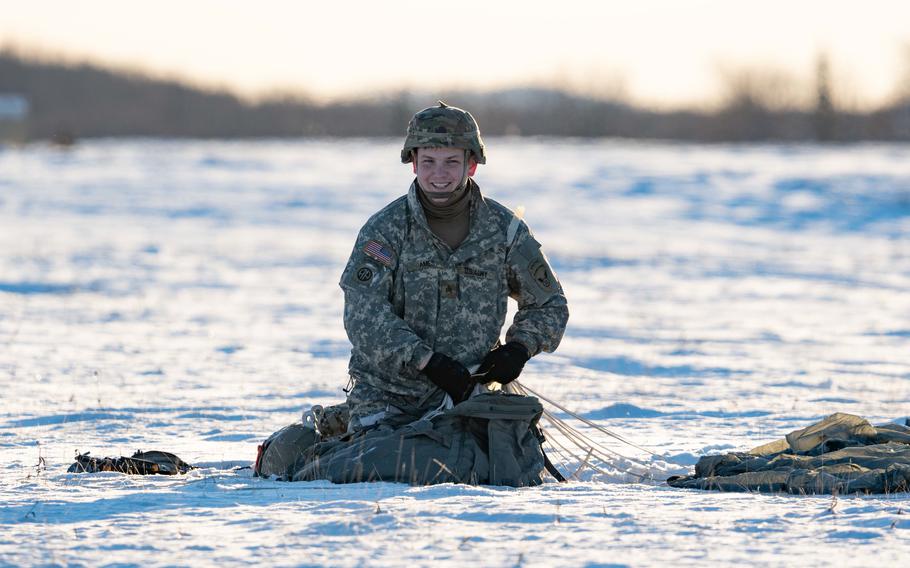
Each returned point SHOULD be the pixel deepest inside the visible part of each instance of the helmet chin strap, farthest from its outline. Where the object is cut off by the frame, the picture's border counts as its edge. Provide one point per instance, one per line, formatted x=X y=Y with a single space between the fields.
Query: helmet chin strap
x=464 y=173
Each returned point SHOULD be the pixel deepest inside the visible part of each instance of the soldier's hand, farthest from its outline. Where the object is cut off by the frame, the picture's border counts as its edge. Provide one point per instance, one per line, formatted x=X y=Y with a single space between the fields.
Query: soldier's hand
x=504 y=363
x=451 y=376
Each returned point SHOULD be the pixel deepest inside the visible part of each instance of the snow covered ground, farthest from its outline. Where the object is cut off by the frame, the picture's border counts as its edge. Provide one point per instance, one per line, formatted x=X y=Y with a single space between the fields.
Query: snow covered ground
x=183 y=296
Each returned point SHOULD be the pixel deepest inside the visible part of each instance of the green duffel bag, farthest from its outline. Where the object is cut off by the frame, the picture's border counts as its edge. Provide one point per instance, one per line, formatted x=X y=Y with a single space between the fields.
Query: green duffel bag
x=490 y=439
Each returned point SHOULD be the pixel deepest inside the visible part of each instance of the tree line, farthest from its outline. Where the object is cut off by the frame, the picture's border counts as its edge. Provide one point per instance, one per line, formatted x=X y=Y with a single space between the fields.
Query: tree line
x=71 y=101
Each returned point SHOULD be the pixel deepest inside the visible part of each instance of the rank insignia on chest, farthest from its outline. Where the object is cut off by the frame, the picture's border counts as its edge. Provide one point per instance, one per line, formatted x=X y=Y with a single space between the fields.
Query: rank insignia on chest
x=378 y=252
x=449 y=289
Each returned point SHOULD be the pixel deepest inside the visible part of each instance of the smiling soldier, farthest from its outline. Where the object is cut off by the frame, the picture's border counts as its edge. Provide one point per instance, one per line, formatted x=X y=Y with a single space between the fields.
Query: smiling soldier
x=427 y=285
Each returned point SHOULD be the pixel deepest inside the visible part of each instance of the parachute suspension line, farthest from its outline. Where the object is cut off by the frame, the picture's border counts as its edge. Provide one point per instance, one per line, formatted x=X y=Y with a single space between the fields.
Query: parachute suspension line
x=589 y=448
x=580 y=439
x=584 y=442
x=565 y=454
x=574 y=435
x=586 y=461
x=588 y=422
x=593 y=449
x=571 y=435
x=547 y=464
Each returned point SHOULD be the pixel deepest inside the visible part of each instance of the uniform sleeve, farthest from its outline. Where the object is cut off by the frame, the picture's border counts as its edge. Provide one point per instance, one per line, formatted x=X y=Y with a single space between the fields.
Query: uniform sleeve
x=372 y=325
x=543 y=311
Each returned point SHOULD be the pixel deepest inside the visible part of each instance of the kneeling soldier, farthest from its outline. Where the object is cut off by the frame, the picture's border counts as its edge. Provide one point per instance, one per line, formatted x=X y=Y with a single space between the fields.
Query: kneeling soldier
x=427 y=285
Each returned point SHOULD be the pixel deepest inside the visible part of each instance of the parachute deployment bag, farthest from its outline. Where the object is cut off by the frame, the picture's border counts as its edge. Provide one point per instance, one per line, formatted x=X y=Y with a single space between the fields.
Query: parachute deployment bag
x=490 y=439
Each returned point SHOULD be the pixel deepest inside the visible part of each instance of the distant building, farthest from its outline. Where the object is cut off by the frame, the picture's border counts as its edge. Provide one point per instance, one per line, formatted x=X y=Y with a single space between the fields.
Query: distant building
x=14 y=111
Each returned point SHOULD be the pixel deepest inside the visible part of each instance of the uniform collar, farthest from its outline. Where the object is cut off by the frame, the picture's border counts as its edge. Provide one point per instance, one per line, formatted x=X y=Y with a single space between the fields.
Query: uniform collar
x=485 y=230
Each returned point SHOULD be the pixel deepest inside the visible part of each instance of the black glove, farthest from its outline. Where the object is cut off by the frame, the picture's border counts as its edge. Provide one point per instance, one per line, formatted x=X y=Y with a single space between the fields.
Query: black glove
x=451 y=376
x=504 y=363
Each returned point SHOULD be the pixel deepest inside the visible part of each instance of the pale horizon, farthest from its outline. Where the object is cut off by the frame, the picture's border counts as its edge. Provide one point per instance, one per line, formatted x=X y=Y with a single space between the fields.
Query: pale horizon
x=653 y=53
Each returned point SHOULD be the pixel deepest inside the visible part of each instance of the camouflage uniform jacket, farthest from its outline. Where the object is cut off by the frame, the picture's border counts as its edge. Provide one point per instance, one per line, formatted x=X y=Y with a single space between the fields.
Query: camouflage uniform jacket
x=407 y=295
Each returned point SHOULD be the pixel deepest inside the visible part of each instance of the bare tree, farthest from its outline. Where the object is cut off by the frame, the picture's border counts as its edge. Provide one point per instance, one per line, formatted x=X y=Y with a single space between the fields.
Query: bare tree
x=824 y=107
x=754 y=97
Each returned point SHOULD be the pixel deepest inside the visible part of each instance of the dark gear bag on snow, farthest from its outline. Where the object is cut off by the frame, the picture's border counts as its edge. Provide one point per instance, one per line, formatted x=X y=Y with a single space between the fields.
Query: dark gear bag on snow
x=140 y=463
x=490 y=439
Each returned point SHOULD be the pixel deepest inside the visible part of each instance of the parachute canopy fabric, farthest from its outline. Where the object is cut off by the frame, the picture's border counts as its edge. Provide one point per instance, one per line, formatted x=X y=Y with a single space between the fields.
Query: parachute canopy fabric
x=842 y=454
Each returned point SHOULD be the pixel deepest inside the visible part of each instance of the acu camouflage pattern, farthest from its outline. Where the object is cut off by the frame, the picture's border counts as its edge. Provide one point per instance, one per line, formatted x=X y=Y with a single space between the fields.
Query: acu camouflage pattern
x=443 y=126
x=333 y=420
x=432 y=299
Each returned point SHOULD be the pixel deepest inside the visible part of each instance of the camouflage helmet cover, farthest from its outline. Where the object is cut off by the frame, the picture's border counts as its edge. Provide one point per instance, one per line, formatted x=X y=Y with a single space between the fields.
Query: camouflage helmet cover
x=443 y=126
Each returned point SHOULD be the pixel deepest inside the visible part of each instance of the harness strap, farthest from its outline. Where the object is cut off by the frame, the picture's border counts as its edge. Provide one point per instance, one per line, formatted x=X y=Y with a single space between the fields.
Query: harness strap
x=514 y=224
x=551 y=469
x=548 y=465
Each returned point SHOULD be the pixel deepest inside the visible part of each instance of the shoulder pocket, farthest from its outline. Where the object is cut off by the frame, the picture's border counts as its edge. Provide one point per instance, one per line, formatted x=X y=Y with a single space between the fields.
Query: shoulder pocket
x=530 y=248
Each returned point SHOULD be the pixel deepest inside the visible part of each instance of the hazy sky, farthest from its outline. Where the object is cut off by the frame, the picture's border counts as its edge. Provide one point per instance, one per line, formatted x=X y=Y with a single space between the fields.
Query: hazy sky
x=665 y=52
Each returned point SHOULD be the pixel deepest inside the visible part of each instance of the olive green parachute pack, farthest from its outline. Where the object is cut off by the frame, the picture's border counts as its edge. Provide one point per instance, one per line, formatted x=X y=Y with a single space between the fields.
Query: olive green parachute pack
x=841 y=454
x=490 y=439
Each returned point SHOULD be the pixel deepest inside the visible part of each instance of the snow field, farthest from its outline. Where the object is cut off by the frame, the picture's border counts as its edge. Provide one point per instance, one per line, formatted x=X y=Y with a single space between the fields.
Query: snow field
x=183 y=296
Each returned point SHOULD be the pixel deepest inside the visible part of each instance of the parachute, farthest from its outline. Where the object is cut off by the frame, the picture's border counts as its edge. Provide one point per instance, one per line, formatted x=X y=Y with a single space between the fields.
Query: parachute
x=841 y=454
x=494 y=438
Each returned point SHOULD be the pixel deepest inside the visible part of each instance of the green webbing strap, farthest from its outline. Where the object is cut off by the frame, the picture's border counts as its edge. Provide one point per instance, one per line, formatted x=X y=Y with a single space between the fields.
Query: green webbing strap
x=548 y=465
x=513 y=230
x=551 y=469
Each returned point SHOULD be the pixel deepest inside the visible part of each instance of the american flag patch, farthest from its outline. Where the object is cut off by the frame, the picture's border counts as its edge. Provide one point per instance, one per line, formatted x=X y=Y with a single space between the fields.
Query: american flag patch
x=378 y=252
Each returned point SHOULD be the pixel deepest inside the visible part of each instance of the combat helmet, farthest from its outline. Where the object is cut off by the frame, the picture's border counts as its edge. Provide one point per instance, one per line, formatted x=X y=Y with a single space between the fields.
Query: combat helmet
x=443 y=126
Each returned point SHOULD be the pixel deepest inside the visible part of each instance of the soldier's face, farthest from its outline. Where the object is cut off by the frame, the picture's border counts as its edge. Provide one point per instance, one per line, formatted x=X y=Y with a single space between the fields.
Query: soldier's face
x=439 y=171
